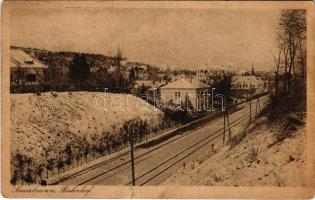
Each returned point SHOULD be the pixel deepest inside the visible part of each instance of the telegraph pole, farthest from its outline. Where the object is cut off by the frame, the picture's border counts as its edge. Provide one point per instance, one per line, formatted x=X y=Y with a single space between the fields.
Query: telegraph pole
x=132 y=159
x=226 y=123
x=250 y=108
x=224 y=129
x=257 y=106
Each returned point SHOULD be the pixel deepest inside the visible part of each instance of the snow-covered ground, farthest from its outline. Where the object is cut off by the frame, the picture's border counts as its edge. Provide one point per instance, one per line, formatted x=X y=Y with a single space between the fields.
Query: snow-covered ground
x=50 y=120
x=281 y=164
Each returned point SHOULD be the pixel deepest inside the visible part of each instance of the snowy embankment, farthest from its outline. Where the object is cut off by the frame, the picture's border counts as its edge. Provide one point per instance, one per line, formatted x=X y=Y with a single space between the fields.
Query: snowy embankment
x=51 y=120
x=260 y=159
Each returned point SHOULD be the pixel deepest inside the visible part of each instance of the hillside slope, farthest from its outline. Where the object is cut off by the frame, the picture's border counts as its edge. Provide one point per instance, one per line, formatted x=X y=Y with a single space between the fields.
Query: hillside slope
x=281 y=164
x=50 y=120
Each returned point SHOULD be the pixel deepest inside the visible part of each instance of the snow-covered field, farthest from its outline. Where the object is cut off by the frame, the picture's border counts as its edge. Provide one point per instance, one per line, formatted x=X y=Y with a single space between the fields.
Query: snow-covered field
x=281 y=164
x=50 y=120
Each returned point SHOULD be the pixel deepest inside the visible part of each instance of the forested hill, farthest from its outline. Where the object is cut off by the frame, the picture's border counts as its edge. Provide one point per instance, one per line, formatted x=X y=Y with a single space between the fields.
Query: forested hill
x=112 y=71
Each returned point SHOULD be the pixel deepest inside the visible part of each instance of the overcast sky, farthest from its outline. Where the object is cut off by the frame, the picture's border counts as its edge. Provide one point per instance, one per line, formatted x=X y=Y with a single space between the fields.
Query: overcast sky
x=173 y=37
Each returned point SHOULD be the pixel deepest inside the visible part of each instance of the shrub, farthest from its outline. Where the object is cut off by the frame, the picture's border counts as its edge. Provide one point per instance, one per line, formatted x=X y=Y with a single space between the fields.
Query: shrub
x=14 y=177
x=253 y=154
x=288 y=127
x=29 y=176
x=235 y=140
x=54 y=94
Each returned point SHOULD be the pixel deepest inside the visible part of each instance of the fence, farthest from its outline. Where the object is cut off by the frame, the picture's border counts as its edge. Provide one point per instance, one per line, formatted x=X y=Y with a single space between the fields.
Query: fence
x=66 y=88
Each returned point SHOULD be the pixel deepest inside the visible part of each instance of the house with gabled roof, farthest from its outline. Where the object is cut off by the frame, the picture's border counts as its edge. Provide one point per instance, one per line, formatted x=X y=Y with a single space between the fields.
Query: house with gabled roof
x=25 y=69
x=246 y=82
x=183 y=92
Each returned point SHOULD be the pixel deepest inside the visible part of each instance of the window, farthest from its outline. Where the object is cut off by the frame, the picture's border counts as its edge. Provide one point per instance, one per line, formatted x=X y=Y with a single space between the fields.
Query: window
x=177 y=94
x=11 y=77
x=29 y=61
x=31 y=77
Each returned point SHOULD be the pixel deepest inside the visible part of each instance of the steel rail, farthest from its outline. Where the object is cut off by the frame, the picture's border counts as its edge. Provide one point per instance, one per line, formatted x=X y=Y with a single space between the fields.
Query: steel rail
x=216 y=117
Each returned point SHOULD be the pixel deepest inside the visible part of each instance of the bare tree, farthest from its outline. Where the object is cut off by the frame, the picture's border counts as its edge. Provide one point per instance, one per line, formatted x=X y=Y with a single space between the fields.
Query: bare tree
x=277 y=63
x=291 y=37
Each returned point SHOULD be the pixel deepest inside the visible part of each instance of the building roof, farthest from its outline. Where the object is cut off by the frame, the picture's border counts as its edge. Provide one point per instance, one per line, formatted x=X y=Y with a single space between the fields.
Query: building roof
x=185 y=84
x=157 y=84
x=18 y=58
x=237 y=79
x=145 y=83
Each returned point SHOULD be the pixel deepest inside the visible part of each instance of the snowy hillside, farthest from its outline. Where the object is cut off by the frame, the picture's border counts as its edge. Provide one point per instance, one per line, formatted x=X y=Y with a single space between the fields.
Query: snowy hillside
x=50 y=120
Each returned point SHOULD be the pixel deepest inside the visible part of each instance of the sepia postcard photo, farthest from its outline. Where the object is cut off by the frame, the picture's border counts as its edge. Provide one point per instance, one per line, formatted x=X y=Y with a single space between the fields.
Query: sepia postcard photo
x=137 y=99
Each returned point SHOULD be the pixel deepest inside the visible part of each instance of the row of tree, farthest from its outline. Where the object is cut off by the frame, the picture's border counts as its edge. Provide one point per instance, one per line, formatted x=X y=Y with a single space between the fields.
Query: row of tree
x=291 y=58
x=290 y=71
x=73 y=69
x=26 y=170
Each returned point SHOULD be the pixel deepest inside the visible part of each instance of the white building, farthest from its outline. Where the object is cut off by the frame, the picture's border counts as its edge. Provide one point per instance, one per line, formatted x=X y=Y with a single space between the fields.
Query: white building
x=246 y=83
x=203 y=73
x=179 y=91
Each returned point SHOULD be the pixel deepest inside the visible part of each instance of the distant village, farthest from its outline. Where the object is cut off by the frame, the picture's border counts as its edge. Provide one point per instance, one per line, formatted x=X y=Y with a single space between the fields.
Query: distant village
x=34 y=70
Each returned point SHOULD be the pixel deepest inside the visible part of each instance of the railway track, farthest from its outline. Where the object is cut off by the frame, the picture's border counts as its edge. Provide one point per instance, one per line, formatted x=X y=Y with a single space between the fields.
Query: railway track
x=214 y=117
x=153 y=173
x=158 y=170
x=142 y=156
